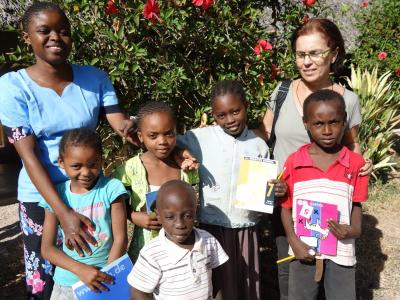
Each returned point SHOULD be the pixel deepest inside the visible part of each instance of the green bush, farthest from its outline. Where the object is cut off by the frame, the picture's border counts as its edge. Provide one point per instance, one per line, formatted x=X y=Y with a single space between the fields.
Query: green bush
x=379 y=39
x=378 y=47
x=380 y=116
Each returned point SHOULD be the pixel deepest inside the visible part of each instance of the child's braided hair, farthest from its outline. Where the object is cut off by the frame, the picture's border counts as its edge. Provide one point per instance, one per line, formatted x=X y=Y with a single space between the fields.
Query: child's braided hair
x=153 y=107
x=233 y=87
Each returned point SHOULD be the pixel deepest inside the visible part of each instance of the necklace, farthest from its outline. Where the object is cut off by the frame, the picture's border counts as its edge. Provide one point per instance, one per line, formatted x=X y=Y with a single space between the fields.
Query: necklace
x=299 y=102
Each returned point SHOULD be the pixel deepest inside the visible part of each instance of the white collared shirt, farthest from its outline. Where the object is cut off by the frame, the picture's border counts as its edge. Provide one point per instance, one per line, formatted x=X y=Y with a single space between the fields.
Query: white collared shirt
x=219 y=155
x=172 y=272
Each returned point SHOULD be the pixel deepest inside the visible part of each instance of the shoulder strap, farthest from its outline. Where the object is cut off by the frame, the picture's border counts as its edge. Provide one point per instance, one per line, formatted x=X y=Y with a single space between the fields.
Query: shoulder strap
x=280 y=98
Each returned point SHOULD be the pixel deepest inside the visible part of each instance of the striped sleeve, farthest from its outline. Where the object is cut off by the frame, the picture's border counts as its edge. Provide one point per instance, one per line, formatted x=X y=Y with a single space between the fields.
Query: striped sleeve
x=218 y=255
x=145 y=275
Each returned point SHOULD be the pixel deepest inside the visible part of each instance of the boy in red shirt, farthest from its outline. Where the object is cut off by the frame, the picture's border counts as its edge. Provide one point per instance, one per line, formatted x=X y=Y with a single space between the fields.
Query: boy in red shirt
x=325 y=171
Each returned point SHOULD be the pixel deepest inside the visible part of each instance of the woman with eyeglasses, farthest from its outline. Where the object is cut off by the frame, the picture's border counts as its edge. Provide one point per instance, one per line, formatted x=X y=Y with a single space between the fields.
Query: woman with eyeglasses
x=319 y=52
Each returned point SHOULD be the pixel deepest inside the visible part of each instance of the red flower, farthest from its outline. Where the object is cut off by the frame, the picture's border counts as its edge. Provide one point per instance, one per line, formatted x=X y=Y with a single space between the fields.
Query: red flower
x=150 y=10
x=364 y=3
x=305 y=18
x=382 y=55
x=265 y=45
x=257 y=50
x=111 y=8
x=397 y=71
x=203 y=3
x=262 y=45
x=309 y=3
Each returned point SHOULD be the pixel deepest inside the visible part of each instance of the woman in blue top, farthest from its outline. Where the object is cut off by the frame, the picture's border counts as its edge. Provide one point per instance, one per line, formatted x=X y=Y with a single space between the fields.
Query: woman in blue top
x=37 y=105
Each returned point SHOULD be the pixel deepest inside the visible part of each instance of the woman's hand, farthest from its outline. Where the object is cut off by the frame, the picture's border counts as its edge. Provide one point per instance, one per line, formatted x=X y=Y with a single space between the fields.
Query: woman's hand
x=145 y=220
x=71 y=222
x=93 y=278
x=75 y=237
x=185 y=160
x=125 y=127
x=367 y=168
x=128 y=129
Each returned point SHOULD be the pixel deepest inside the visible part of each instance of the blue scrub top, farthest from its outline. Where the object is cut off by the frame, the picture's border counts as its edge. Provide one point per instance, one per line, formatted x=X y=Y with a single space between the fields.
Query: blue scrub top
x=27 y=108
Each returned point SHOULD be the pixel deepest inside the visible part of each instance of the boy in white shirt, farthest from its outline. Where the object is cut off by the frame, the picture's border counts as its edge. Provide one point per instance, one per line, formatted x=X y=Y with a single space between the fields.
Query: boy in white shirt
x=178 y=263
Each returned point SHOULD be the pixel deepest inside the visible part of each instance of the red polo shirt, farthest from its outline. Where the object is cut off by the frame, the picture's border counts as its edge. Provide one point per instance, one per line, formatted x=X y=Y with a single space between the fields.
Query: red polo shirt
x=300 y=169
x=340 y=184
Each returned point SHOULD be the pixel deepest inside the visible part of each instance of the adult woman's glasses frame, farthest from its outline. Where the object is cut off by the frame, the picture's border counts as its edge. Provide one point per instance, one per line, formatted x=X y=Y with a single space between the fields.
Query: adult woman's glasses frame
x=314 y=55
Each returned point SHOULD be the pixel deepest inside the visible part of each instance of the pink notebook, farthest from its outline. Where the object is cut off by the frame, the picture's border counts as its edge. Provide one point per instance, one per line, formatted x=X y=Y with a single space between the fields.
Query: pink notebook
x=312 y=225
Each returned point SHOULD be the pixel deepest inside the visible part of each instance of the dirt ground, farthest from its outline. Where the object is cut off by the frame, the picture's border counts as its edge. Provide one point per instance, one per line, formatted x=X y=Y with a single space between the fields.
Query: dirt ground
x=378 y=250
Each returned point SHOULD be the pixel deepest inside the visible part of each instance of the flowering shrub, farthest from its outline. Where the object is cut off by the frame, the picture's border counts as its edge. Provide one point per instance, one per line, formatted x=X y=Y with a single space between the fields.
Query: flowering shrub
x=379 y=40
x=378 y=46
x=176 y=50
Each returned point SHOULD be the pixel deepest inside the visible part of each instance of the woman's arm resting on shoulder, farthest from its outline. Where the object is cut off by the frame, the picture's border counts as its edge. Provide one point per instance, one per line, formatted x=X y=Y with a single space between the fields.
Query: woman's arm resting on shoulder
x=352 y=231
x=139 y=295
x=88 y=274
x=124 y=126
x=119 y=231
x=70 y=221
x=351 y=141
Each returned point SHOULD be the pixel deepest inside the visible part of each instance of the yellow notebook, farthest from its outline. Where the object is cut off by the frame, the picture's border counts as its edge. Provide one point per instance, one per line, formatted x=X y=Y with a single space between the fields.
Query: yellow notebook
x=253 y=191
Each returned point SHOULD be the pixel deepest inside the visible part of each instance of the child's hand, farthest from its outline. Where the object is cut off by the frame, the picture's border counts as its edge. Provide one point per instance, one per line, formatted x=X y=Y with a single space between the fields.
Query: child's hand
x=145 y=220
x=280 y=187
x=185 y=160
x=341 y=231
x=189 y=165
x=301 y=250
x=93 y=278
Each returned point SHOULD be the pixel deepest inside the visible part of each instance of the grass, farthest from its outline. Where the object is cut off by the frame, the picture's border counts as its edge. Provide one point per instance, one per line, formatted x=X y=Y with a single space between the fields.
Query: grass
x=380 y=193
x=378 y=249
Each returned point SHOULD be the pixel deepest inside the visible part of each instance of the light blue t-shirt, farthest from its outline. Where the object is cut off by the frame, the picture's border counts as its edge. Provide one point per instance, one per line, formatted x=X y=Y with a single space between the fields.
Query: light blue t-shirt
x=219 y=156
x=96 y=205
x=27 y=108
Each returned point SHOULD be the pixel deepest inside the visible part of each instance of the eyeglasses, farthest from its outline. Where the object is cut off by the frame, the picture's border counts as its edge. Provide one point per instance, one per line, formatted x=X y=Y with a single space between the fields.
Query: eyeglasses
x=313 y=55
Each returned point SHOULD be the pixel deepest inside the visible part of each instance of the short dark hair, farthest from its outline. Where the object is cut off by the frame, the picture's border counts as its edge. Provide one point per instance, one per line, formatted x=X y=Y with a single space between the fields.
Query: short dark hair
x=153 y=107
x=324 y=95
x=224 y=87
x=80 y=137
x=38 y=7
x=166 y=188
x=332 y=34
